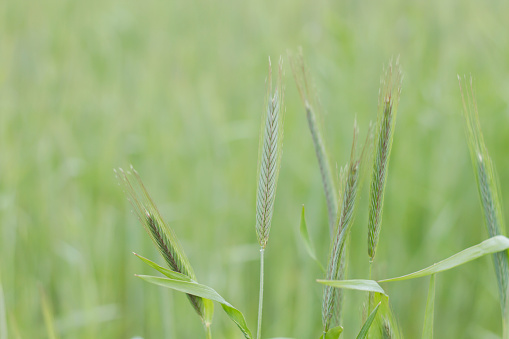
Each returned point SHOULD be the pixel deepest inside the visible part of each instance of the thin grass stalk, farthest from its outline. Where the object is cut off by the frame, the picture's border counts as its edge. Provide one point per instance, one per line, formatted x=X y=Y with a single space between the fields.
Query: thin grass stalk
x=309 y=100
x=269 y=163
x=331 y=302
x=488 y=188
x=163 y=236
x=3 y=314
x=390 y=90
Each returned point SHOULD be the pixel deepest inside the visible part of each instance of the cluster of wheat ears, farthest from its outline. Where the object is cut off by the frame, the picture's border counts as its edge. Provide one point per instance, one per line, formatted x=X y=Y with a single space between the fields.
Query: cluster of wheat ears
x=371 y=159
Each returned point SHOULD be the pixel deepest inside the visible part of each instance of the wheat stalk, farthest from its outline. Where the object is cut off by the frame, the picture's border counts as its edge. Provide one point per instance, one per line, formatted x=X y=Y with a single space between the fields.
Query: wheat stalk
x=269 y=159
x=488 y=187
x=270 y=151
x=390 y=90
x=331 y=302
x=163 y=236
x=308 y=97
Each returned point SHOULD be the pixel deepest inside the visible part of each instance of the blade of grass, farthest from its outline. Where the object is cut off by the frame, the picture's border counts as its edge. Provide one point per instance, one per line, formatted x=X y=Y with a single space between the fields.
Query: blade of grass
x=308 y=244
x=355 y=284
x=202 y=291
x=427 y=331
x=367 y=324
x=333 y=333
x=3 y=314
x=489 y=246
x=48 y=315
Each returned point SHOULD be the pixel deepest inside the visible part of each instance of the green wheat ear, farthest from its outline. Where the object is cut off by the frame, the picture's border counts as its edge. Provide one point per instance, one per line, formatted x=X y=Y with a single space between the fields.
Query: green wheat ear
x=163 y=236
x=488 y=187
x=310 y=101
x=269 y=155
x=390 y=91
x=350 y=186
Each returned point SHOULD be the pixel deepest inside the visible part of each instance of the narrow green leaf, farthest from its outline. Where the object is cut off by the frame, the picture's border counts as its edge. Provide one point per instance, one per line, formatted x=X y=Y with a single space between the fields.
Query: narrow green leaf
x=169 y=273
x=48 y=315
x=308 y=244
x=427 y=331
x=365 y=328
x=3 y=314
x=333 y=333
x=199 y=290
x=357 y=284
x=492 y=245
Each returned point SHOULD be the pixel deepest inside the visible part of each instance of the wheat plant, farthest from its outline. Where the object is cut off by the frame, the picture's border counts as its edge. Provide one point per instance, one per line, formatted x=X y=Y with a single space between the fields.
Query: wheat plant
x=269 y=163
x=388 y=100
x=489 y=192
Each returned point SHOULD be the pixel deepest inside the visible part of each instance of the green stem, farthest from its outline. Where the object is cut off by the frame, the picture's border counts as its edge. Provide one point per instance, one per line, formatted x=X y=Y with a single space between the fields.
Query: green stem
x=260 y=298
x=208 y=332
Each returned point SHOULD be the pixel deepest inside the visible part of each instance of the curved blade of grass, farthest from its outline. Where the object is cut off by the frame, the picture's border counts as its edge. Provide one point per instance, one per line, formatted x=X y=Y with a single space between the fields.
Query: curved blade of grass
x=333 y=333
x=355 y=284
x=169 y=273
x=202 y=291
x=489 y=246
x=367 y=324
x=308 y=244
x=427 y=331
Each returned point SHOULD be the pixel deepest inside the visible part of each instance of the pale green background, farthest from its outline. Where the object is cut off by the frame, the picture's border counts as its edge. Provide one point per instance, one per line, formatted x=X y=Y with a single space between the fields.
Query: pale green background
x=177 y=88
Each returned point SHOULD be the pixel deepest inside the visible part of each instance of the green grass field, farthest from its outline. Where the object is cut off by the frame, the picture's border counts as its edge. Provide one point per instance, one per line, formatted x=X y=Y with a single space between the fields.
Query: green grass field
x=176 y=88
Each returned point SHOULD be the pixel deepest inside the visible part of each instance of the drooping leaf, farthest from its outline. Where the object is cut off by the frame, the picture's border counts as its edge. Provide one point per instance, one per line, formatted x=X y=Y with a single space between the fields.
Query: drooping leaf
x=308 y=244
x=427 y=331
x=367 y=324
x=356 y=284
x=169 y=273
x=202 y=291
x=492 y=245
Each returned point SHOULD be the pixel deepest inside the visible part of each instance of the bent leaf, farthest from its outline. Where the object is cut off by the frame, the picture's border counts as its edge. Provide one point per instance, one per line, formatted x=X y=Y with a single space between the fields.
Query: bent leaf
x=199 y=290
x=308 y=244
x=492 y=245
x=356 y=284
x=333 y=333
x=365 y=328
x=427 y=331
x=169 y=273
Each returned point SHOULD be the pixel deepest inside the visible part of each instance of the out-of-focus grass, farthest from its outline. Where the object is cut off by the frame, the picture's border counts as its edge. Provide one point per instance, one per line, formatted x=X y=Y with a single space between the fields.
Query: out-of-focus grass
x=177 y=88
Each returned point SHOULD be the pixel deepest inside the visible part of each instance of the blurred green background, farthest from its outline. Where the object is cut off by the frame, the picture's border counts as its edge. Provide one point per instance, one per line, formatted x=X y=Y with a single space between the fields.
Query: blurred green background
x=177 y=89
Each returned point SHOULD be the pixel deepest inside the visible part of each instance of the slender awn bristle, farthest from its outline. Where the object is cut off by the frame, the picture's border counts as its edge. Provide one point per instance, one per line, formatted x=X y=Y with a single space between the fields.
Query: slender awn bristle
x=387 y=108
x=163 y=236
x=487 y=184
x=300 y=74
x=269 y=159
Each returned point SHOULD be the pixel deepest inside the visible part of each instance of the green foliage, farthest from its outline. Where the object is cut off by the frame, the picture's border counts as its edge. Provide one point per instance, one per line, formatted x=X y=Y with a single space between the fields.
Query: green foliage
x=308 y=244
x=427 y=331
x=202 y=291
x=369 y=321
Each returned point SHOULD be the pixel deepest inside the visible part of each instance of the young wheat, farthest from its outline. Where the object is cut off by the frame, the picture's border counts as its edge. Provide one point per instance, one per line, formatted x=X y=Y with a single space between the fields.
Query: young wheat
x=390 y=90
x=163 y=236
x=331 y=303
x=301 y=77
x=269 y=163
x=487 y=184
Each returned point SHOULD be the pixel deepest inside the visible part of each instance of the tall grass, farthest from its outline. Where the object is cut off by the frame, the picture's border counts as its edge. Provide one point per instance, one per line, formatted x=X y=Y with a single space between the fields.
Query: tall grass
x=269 y=163
x=388 y=101
x=489 y=192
